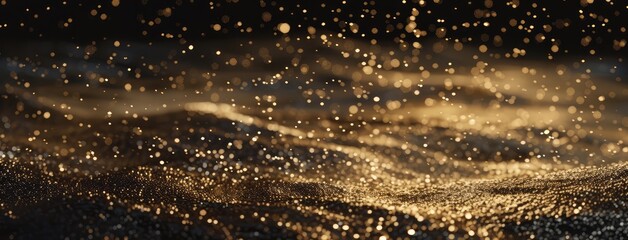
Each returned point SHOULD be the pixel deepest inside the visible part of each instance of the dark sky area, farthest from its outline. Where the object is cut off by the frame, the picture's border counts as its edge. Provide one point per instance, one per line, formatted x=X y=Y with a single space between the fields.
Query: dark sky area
x=499 y=24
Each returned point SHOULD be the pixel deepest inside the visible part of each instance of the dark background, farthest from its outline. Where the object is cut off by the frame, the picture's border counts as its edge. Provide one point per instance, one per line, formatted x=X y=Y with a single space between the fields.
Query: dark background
x=30 y=20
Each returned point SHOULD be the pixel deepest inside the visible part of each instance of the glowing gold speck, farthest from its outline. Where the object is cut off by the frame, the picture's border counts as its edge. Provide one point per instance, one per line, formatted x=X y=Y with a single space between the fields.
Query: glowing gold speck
x=284 y=27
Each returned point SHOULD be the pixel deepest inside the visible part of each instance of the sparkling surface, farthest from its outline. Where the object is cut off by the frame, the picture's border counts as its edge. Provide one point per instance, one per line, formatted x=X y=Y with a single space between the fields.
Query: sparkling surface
x=319 y=120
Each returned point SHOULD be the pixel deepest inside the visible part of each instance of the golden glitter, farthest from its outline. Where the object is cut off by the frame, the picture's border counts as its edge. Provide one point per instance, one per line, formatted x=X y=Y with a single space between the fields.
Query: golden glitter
x=234 y=119
x=283 y=27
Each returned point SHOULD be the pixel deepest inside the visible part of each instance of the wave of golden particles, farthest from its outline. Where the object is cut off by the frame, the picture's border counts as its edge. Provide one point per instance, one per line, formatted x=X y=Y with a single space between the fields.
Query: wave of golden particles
x=329 y=120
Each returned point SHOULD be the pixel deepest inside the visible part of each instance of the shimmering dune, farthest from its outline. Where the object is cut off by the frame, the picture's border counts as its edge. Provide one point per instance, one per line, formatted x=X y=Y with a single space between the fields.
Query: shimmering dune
x=327 y=149
x=168 y=202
